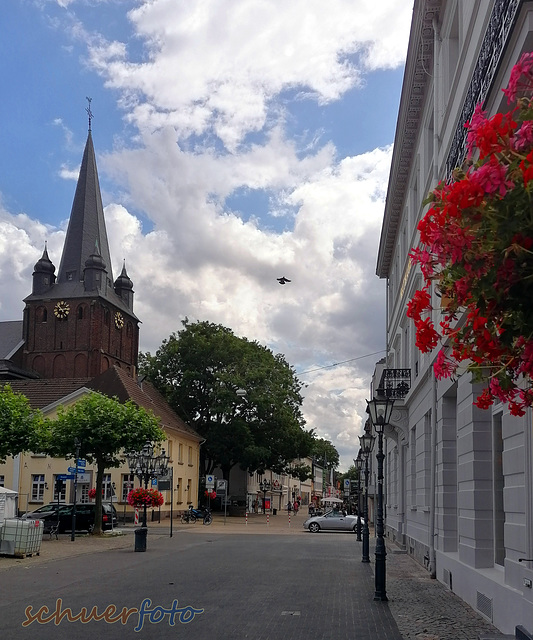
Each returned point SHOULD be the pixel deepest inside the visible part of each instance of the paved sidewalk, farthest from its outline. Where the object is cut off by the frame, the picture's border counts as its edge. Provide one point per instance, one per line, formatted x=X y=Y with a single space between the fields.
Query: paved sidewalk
x=423 y=609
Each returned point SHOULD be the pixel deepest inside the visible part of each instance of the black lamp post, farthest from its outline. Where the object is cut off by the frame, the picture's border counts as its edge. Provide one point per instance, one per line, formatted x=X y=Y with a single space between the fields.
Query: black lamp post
x=145 y=465
x=264 y=486
x=380 y=410
x=358 y=464
x=367 y=444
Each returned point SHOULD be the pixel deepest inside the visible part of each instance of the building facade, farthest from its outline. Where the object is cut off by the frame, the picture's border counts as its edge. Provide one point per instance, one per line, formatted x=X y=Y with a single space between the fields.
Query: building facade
x=458 y=479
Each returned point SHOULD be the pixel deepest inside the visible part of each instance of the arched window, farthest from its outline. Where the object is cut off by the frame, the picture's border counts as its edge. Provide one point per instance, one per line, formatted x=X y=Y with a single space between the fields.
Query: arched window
x=106 y=316
x=80 y=312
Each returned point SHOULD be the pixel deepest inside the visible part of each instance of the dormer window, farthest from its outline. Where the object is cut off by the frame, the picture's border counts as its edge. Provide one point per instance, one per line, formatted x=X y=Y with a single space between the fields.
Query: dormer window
x=70 y=275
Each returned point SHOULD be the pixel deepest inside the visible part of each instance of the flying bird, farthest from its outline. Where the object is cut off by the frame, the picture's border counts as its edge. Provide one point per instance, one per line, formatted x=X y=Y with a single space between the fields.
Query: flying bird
x=283 y=280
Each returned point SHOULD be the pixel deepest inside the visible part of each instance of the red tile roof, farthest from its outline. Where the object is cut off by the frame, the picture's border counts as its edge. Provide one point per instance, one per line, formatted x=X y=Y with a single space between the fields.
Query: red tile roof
x=41 y=393
x=116 y=382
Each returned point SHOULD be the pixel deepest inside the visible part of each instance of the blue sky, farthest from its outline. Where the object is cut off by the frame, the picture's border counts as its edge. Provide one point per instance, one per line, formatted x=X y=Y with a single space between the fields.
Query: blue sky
x=237 y=141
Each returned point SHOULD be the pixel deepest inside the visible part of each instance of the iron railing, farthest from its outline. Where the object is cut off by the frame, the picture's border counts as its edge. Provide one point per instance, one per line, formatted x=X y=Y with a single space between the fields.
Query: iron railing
x=395 y=383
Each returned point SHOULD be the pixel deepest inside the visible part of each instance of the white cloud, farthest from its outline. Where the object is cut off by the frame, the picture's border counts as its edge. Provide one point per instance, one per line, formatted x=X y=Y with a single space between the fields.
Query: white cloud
x=216 y=65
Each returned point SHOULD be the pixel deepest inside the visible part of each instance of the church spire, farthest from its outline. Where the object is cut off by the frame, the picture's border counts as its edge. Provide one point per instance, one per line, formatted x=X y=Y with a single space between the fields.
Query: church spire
x=86 y=227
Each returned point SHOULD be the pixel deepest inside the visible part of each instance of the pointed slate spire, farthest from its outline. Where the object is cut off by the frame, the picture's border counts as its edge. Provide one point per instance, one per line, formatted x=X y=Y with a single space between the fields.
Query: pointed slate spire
x=86 y=228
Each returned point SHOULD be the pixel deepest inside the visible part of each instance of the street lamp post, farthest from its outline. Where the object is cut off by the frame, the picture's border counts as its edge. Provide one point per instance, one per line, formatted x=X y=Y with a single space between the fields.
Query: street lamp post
x=145 y=465
x=264 y=486
x=367 y=444
x=358 y=464
x=380 y=410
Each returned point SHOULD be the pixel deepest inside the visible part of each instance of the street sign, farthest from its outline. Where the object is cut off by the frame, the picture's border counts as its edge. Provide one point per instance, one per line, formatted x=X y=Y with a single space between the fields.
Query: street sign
x=347 y=484
x=154 y=482
x=81 y=462
x=210 y=481
x=222 y=485
x=65 y=476
x=74 y=470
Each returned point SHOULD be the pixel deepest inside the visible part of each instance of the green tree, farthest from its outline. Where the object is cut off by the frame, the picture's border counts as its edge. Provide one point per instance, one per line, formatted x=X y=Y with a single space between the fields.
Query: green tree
x=236 y=393
x=100 y=429
x=21 y=427
x=325 y=453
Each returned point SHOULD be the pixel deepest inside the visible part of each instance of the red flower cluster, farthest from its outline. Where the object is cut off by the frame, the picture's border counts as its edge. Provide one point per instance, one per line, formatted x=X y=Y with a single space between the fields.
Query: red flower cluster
x=92 y=493
x=210 y=494
x=476 y=249
x=149 y=497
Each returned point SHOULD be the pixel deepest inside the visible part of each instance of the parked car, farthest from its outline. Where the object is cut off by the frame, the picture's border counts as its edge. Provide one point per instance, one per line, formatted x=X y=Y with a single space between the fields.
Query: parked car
x=332 y=521
x=84 y=516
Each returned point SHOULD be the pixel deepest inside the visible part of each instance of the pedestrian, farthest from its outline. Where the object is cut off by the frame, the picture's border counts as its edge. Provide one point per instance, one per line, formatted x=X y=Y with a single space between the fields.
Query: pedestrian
x=289 y=507
x=295 y=506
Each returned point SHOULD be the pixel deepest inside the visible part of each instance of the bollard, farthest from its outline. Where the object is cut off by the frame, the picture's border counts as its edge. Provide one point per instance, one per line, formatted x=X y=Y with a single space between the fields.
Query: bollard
x=268 y=520
x=247 y=518
x=289 y=520
x=136 y=521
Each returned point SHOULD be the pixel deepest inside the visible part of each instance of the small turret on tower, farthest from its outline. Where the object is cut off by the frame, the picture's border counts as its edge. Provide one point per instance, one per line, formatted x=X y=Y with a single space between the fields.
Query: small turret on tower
x=124 y=287
x=43 y=273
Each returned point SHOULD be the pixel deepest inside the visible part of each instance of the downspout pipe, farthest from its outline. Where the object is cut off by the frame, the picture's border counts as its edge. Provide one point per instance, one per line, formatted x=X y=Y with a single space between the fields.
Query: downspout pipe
x=433 y=455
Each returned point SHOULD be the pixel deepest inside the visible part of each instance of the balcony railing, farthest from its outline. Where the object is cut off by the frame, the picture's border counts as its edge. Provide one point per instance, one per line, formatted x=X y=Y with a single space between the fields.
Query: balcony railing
x=395 y=383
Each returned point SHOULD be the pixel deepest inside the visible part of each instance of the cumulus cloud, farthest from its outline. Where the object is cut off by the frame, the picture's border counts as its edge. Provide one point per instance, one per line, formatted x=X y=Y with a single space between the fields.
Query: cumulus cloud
x=217 y=65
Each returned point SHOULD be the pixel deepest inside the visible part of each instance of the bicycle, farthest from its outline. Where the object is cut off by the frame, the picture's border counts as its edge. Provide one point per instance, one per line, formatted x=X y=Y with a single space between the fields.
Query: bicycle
x=188 y=517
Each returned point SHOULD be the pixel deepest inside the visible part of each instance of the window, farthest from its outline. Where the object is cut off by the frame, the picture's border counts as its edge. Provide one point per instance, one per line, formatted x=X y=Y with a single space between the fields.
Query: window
x=84 y=495
x=2 y=480
x=126 y=486
x=62 y=497
x=189 y=457
x=180 y=453
x=498 y=489
x=80 y=313
x=37 y=487
x=107 y=488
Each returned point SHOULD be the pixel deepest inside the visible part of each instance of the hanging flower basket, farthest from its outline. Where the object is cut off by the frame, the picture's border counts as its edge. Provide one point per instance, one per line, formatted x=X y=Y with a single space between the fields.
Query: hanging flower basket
x=140 y=497
x=476 y=253
x=92 y=494
x=210 y=494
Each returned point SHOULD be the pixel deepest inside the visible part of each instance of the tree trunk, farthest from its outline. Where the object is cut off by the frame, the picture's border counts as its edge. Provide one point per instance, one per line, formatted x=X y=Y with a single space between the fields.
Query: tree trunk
x=98 y=500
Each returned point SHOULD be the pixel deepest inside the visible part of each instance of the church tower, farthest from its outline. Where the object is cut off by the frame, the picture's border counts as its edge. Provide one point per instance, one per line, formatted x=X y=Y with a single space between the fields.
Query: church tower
x=81 y=322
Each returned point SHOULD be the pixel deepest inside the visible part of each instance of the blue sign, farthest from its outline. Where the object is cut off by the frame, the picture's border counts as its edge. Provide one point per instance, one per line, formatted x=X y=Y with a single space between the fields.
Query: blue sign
x=81 y=462
x=154 y=482
x=64 y=476
x=74 y=470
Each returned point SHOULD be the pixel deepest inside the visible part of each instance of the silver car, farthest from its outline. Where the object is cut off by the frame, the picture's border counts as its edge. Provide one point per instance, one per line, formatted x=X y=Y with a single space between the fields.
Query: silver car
x=332 y=521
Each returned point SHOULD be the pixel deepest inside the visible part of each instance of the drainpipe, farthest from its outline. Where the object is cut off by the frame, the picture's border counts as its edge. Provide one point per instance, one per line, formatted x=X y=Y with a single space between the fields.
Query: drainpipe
x=433 y=456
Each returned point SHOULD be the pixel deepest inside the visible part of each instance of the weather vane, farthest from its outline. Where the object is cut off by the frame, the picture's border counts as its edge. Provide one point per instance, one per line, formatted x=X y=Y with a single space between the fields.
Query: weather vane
x=89 y=112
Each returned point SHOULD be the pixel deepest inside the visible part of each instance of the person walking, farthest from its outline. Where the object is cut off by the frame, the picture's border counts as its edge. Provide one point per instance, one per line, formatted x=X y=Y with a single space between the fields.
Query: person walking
x=295 y=507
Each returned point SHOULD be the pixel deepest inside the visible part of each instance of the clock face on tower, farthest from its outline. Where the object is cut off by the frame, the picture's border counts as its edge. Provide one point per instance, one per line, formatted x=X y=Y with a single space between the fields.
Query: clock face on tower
x=119 y=320
x=61 y=310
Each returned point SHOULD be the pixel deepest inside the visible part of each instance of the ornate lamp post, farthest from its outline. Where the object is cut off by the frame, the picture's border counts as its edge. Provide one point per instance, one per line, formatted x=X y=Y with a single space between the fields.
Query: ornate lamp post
x=367 y=444
x=358 y=464
x=380 y=410
x=145 y=465
x=264 y=486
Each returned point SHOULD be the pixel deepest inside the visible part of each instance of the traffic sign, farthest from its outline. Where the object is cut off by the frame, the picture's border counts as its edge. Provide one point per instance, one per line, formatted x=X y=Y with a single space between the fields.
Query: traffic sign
x=210 y=481
x=72 y=469
x=347 y=483
x=222 y=485
x=65 y=476
x=81 y=462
